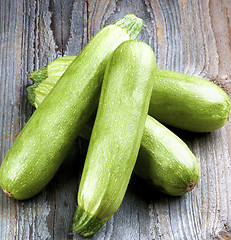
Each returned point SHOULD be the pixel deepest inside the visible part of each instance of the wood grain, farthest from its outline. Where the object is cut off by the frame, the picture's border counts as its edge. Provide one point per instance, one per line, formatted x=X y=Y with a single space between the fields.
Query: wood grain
x=191 y=37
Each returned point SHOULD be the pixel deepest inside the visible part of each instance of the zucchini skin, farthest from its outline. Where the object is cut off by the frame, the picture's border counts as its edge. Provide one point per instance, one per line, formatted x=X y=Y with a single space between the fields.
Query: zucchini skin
x=116 y=135
x=180 y=100
x=165 y=161
x=40 y=148
x=188 y=102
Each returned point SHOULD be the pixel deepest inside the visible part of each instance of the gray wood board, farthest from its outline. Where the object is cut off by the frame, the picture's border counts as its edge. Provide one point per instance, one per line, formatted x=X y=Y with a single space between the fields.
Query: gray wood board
x=191 y=37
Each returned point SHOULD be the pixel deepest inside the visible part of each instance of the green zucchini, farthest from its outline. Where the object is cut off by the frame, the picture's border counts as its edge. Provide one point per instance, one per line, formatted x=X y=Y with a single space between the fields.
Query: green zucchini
x=40 y=148
x=165 y=161
x=188 y=102
x=161 y=151
x=116 y=135
x=178 y=100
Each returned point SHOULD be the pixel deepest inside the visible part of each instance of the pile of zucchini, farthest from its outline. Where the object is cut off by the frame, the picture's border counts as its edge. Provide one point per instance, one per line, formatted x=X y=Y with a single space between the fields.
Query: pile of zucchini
x=117 y=76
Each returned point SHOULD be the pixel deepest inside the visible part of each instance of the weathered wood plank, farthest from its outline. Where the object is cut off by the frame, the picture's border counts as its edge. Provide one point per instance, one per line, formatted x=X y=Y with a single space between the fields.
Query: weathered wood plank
x=188 y=36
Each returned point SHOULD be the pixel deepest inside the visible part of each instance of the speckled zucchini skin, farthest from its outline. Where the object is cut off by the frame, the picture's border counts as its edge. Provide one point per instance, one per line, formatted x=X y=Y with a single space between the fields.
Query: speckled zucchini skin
x=188 y=102
x=165 y=161
x=45 y=140
x=116 y=135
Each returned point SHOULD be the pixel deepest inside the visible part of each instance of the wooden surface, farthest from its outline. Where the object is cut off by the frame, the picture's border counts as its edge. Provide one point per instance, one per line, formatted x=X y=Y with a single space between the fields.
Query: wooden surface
x=188 y=36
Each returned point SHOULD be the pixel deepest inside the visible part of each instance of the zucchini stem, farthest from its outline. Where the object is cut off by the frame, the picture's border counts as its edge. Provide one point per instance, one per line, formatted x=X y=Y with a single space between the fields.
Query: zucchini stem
x=7 y=193
x=131 y=24
x=190 y=186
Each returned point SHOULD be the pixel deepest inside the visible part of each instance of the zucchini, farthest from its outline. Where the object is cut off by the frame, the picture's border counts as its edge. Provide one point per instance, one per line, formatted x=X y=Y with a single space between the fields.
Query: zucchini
x=179 y=100
x=161 y=151
x=116 y=135
x=188 y=102
x=40 y=148
x=165 y=161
